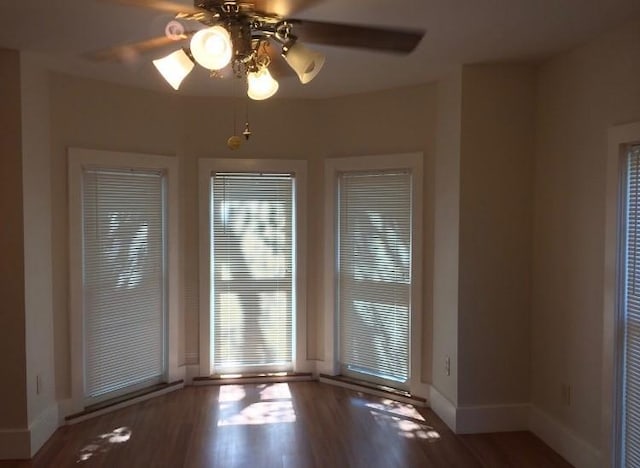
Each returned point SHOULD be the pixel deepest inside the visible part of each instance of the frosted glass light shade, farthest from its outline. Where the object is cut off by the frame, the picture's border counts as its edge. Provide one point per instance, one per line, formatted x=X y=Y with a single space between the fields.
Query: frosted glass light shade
x=174 y=67
x=212 y=47
x=261 y=85
x=305 y=62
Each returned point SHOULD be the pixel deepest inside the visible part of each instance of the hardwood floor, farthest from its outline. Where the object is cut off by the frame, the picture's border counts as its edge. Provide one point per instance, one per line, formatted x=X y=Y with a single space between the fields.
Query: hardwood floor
x=294 y=425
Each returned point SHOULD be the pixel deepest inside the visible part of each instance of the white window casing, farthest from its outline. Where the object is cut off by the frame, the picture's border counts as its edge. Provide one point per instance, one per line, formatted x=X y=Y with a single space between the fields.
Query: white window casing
x=123 y=273
x=252 y=258
x=411 y=165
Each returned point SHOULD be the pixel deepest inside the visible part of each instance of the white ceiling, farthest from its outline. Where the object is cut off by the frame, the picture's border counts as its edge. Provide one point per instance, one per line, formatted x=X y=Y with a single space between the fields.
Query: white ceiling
x=458 y=32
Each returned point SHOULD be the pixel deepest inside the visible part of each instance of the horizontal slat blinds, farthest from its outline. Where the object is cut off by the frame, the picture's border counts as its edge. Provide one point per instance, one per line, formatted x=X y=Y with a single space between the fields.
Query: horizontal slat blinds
x=123 y=279
x=252 y=272
x=631 y=387
x=375 y=274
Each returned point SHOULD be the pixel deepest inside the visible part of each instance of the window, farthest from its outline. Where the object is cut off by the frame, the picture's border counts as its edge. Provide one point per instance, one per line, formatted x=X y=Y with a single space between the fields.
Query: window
x=252 y=272
x=373 y=250
x=630 y=398
x=374 y=271
x=124 y=251
x=253 y=304
x=123 y=273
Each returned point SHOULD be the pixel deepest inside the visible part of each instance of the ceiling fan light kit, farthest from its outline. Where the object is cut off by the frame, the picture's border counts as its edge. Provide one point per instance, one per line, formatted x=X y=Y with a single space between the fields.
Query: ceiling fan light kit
x=212 y=47
x=261 y=84
x=305 y=62
x=243 y=34
x=175 y=67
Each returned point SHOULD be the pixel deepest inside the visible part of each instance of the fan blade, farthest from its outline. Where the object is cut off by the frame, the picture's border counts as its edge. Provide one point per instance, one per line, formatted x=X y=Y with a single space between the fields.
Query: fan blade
x=129 y=52
x=161 y=5
x=282 y=8
x=400 y=41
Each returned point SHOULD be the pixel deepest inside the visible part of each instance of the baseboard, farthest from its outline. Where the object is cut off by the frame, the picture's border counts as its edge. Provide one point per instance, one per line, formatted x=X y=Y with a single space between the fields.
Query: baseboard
x=575 y=450
x=492 y=418
x=14 y=444
x=442 y=407
x=43 y=427
x=22 y=444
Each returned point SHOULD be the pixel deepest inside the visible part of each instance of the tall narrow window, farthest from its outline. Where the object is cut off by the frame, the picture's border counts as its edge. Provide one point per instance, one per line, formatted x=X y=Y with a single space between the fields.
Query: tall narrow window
x=123 y=217
x=631 y=355
x=374 y=271
x=252 y=272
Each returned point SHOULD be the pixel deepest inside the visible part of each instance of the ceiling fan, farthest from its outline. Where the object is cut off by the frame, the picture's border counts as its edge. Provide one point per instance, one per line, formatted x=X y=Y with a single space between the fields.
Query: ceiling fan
x=241 y=36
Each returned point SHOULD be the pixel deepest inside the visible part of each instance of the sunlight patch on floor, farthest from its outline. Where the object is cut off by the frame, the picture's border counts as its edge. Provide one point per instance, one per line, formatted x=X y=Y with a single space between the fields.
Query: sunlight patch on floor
x=404 y=417
x=104 y=442
x=273 y=406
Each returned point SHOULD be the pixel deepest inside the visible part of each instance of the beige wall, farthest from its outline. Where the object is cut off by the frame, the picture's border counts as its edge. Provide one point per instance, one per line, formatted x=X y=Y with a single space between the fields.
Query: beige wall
x=13 y=394
x=496 y=183
x=581 y=95
x=388 y=122
x=36 y=157
x=280 y=129
x=89 y=115
x=516 y=321
x=445 y=227
x=97 y=115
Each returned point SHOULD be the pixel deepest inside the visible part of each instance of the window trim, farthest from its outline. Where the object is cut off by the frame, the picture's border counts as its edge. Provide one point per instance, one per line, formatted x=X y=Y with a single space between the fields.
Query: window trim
x=207 y=167
x=620 y=138
x=414 y=163
x=79 y=159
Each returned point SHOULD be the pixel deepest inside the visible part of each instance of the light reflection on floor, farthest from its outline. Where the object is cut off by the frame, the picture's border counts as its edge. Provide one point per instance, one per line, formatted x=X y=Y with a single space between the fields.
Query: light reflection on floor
x=271 y=404
x=402 y=416
x=104 y=442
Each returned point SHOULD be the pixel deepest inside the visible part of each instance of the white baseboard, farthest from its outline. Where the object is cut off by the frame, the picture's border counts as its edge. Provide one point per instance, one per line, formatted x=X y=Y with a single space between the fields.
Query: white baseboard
x=492 y=418
x=22 y=444
x=442 y=407
x=480 y=418
x=43 y=427
x=575 y=450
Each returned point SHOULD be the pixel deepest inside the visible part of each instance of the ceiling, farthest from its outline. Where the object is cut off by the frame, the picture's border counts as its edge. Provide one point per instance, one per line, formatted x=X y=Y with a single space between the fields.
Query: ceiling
x=458 y=32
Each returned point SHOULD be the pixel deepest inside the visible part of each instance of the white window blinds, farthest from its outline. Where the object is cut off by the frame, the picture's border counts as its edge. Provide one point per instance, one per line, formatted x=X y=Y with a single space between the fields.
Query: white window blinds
x=252 y=251
x=375 y=274
x=123 y=280
x=631 y=354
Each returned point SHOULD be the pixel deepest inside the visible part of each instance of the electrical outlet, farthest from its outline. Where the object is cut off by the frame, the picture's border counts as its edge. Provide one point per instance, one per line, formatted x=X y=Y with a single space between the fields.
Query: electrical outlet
x=447 y=365
x=565 y=394
x=39 y=384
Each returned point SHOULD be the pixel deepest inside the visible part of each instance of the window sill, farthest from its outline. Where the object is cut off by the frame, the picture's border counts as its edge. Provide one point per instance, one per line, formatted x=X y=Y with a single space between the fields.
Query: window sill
x=123 y=401
x=253 y=378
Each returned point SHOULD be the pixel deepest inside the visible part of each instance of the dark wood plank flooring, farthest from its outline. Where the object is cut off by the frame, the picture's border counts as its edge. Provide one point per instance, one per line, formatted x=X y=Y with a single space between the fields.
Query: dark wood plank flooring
x=286 y=425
